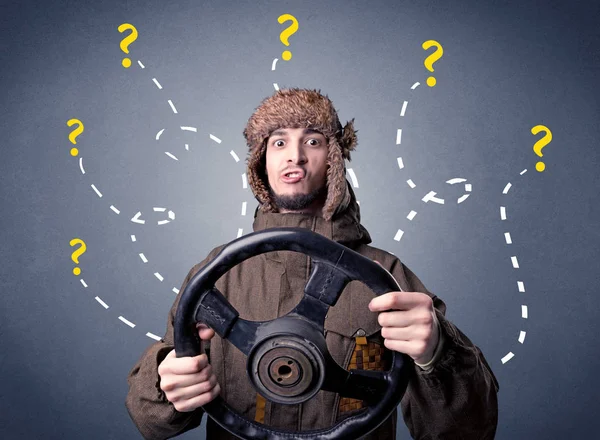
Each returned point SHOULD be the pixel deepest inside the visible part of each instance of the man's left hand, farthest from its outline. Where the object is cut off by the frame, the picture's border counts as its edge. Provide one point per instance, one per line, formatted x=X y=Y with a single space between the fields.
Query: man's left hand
x=409 y=324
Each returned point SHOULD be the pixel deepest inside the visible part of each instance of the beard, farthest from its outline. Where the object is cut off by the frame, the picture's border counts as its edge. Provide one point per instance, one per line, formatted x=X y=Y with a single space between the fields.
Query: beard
x=297 y=202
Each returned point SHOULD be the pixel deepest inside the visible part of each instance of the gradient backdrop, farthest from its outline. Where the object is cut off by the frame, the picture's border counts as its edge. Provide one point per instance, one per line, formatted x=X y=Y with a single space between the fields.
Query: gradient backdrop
x=528 y=299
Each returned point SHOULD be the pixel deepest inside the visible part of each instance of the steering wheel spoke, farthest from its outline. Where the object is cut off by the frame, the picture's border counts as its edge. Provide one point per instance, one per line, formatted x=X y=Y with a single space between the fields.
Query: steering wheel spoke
x=215 y=311
x=326 y=281
x=367 y=385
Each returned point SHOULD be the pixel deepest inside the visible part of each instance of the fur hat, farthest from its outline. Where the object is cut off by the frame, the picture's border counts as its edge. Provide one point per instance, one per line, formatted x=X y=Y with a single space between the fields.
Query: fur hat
x=300 y=108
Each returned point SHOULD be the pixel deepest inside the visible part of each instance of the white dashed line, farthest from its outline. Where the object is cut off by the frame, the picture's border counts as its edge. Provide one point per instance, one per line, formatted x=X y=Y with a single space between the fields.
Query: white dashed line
x=240 y=232
x=403 y=108
x=187 y=147
x=353 y=177
x=273 y=64
x=523 y=172
x=129 y=323
x=515 y=264
x=97 y=191
x=244 y=181
x=102 y=303
x=514 y=261
x=275 y=86
x=430 y=197
x=456 y=180
x=244 y=208
x=216 y=139
x=136 y=219
x=153 y=336
x=508 y=357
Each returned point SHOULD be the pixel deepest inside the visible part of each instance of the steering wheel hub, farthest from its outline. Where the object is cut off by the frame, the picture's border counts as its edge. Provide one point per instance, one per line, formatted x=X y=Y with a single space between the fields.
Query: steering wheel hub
x=286 y=369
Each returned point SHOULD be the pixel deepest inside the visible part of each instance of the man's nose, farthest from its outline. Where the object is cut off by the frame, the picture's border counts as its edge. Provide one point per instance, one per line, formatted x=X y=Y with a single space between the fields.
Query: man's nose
x=296 y=153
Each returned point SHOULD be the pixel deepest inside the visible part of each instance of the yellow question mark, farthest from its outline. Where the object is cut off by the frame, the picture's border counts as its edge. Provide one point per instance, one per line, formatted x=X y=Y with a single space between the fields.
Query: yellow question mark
x=127 y=41
x=78 y=253
x=287 y=33
x=540 y=166
x=432 y=58
x=73 y=135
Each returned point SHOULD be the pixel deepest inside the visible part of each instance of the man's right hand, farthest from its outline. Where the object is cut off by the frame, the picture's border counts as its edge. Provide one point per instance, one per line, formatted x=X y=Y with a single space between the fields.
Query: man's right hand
x=189 y=382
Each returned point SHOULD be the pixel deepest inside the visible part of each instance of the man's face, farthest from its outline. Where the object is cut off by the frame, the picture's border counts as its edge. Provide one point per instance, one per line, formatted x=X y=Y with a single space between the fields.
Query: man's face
x=296 y=165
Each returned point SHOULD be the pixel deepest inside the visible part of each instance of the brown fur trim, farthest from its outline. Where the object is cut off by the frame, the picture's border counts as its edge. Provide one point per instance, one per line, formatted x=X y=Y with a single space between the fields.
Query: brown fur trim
x=336 y=181
x=349 y=140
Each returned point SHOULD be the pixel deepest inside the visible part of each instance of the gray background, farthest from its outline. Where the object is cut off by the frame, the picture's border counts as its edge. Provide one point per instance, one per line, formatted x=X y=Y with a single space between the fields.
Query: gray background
x=507 y=66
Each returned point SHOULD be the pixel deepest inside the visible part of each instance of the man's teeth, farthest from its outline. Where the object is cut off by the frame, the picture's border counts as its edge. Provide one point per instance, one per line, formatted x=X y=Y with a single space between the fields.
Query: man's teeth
x=293 y=174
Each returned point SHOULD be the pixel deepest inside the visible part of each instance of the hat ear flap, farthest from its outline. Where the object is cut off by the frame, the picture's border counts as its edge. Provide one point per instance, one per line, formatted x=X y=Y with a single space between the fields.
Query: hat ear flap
x=338 y=197
x=348 y=140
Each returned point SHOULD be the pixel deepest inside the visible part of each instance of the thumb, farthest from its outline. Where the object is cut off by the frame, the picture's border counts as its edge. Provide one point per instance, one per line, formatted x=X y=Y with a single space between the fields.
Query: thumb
x=205 y=332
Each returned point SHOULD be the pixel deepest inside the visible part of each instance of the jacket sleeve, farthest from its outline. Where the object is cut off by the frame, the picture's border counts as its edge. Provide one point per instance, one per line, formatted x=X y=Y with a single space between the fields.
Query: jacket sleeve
x=457 y=398
x=155 y=417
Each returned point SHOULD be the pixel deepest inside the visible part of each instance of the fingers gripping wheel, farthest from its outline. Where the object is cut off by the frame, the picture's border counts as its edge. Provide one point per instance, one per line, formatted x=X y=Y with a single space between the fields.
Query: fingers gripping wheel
x=288 y=359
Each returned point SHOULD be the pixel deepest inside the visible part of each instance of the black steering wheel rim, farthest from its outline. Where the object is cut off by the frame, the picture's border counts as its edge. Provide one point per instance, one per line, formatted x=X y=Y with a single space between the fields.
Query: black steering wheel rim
x=334 y=265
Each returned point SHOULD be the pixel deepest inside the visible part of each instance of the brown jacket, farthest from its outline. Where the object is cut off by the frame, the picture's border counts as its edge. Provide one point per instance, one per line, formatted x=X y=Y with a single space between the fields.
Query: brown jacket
x=457 y=399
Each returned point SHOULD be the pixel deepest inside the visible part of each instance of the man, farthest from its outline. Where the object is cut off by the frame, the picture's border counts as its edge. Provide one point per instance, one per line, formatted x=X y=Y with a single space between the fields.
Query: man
x=296 y=169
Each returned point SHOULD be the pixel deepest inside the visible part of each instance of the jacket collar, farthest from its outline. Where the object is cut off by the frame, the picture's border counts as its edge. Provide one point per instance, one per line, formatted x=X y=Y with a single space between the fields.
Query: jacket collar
x=344 y=227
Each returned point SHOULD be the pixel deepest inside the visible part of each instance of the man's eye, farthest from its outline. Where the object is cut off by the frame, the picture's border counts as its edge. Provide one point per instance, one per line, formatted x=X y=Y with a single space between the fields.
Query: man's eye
x=278 y=143
x=314 y=141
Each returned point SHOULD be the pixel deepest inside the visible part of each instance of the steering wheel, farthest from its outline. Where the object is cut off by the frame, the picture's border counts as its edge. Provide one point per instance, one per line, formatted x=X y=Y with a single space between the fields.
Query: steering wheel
x=288 y=360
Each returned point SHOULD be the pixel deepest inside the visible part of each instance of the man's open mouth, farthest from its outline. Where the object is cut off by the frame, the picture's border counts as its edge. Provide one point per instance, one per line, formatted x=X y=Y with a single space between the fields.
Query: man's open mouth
x=292 y=176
